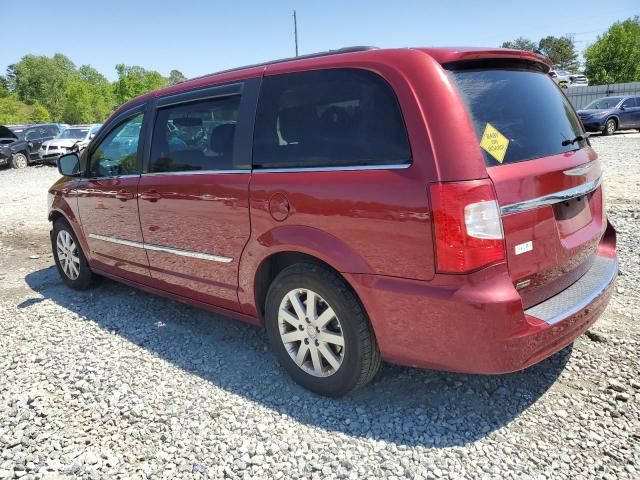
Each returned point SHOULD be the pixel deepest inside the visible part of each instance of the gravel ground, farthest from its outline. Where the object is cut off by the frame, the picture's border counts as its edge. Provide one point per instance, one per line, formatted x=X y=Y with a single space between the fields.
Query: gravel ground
x=115 y=383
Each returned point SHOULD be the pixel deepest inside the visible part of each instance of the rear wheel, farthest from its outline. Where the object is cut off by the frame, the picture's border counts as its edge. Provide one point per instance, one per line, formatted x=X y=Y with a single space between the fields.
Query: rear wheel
x=319 y=331
x=19 y=160
x=70 y=260
x=609 y=127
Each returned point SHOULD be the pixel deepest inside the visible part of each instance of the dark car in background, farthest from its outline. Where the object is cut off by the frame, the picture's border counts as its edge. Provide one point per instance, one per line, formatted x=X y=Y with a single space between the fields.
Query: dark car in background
x=609 y=114
x=19 y=144
x=13 y=150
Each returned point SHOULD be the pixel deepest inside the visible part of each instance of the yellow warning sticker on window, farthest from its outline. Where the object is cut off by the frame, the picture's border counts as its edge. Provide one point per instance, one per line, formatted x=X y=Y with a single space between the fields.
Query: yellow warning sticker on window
x=494 y=142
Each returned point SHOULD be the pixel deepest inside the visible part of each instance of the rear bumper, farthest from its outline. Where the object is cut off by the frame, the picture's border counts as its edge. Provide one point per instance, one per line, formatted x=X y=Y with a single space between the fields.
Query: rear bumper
x=476 y=323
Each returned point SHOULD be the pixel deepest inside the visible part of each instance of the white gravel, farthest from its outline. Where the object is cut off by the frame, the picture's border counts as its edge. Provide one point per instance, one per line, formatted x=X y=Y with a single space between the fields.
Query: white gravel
x=115 y=383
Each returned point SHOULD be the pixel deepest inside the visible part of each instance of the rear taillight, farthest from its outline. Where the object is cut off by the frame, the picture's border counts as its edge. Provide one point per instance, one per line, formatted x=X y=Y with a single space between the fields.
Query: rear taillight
x=467 y=225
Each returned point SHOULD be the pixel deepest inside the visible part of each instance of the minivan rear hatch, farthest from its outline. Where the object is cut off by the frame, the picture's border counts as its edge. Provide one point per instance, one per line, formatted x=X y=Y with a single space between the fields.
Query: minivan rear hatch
x=546 y=176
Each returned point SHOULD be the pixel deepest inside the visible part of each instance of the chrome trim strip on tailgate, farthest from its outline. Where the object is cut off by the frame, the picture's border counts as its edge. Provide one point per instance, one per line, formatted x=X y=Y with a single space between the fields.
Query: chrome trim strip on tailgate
x=581 y=170
x=161 y=248
x=552 y=198
x=579 y=295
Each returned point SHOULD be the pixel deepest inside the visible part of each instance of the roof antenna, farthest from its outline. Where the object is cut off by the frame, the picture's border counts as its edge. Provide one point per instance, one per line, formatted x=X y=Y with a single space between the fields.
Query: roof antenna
x=295 y=30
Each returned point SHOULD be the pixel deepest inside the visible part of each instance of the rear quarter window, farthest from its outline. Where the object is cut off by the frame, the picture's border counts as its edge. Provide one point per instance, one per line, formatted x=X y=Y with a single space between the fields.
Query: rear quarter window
x=525 y=106
x=328 y=118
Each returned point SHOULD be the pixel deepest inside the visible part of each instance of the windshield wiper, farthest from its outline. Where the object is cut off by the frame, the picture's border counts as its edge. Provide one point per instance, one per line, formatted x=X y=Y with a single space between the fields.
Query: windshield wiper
x=578 y=138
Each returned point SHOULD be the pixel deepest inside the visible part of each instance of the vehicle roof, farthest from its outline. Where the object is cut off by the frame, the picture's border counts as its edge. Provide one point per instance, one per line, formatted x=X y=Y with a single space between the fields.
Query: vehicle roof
x=442 y=55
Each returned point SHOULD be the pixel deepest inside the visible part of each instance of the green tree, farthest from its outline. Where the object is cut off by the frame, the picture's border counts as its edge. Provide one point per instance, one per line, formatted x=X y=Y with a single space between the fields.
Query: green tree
x=4 y=87
x=133 y=81
x=521 y=43
x=176 y=76
x=615 y=56
x=43 y=79
x=88 y=97
x=561 y=51
x=39 y=114
x=13 y=110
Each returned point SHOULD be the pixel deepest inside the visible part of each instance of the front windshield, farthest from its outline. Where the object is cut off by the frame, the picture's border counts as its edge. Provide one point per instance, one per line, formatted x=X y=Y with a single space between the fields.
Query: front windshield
x=603 y=103
x=75 y=133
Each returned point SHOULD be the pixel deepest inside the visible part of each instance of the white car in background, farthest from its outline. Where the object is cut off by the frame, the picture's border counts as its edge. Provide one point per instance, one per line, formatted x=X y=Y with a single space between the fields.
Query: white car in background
x=567 y=79
x=74 y=137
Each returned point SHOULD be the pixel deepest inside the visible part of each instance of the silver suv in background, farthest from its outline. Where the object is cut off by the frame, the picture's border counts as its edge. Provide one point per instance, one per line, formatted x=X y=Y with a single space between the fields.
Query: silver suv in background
x=567 y=79
x=74 y=138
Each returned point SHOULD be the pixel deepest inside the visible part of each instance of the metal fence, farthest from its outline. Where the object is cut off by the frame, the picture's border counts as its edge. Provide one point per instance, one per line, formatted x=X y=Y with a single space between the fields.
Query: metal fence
x=581 y=96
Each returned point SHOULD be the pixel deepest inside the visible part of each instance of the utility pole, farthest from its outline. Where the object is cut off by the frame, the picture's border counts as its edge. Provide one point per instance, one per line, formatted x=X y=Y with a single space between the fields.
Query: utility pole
x=295 y=30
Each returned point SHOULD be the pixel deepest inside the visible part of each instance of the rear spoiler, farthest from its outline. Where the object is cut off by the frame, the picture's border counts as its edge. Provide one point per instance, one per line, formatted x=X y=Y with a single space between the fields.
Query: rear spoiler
x=474 y=55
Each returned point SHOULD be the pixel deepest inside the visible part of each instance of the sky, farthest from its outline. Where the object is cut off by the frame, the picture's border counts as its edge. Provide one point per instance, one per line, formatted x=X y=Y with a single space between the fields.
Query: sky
x=199 y=36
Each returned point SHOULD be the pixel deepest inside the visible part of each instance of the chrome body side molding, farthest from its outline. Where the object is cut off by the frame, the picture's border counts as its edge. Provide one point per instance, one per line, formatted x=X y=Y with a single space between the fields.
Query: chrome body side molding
x=162 y=248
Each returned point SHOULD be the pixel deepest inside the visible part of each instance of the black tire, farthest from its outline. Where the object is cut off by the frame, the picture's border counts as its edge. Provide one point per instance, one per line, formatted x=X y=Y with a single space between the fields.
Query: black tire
x=85 y=278
x=19 y=160
x=610 y=127
x=361 y=356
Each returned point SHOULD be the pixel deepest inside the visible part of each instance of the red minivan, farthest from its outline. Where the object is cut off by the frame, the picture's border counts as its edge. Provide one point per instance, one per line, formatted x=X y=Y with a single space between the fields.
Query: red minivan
x=438 y=208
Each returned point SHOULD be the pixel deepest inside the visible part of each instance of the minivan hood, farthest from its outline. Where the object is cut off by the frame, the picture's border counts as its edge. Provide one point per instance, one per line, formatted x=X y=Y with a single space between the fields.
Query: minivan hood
x=6 y=133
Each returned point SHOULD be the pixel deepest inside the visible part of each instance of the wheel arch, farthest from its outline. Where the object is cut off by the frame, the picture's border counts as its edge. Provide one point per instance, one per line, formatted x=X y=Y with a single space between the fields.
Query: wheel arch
x=64 y=212
x=268 y=254
x=275 y=263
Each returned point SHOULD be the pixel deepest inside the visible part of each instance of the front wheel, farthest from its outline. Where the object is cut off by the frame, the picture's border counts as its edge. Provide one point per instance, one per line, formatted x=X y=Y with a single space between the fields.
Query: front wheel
x=609 y=127
x=70 y=260
x=319 y=331
x=19 y=160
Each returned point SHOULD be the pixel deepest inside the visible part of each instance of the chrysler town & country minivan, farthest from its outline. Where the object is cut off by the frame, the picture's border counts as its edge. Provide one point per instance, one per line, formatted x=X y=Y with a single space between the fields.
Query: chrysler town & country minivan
x=438 y=208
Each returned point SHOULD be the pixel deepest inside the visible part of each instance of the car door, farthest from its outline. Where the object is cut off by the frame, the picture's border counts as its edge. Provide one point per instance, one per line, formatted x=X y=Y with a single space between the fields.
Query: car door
x=35 y=137
x=627 y=113
x=108 y=203
x=636 y=113
x=194 y=193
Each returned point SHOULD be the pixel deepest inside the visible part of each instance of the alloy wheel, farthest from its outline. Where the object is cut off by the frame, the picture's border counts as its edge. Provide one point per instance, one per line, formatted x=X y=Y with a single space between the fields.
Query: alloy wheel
x=20 y=161
x=311 y=332
x=611 y=127
x=68 y=257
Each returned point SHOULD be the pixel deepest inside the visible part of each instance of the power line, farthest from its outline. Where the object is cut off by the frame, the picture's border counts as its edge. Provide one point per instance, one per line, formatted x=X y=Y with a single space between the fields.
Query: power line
x=295 y=30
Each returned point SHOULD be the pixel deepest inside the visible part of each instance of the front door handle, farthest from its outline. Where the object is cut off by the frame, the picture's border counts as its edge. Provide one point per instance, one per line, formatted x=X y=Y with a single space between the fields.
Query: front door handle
x=150 y=196
x=124 y=195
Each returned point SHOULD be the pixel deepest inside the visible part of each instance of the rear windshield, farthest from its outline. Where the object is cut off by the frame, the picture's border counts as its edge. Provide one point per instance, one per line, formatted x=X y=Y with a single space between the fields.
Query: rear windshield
x=518 y=114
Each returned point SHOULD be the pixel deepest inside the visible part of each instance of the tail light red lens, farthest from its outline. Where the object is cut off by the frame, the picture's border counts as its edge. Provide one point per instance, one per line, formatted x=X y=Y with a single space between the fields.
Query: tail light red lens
x=467 y=225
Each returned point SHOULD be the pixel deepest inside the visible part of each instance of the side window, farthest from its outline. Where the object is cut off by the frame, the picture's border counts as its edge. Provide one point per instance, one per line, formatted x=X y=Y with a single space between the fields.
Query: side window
x=31 y=135
x=51 y=131
x=117 y=153
x=328 y=118
x=629 y=103
x=195 y=136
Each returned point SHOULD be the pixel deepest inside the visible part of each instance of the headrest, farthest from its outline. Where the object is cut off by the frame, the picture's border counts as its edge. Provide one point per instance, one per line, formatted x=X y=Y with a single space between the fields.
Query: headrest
x=222 y=136
x=298 y=124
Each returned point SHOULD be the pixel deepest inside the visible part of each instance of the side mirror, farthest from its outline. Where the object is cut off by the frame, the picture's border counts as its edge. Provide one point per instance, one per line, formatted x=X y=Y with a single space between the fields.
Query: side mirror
x=621 y=107
x=69 y=165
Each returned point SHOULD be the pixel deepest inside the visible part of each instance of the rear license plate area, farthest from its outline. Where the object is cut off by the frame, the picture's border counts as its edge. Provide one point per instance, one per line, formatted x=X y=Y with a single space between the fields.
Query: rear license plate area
x=573 y=214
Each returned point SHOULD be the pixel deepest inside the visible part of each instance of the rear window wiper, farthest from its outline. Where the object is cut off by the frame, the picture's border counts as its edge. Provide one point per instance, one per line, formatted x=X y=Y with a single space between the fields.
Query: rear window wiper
x=578 y=138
